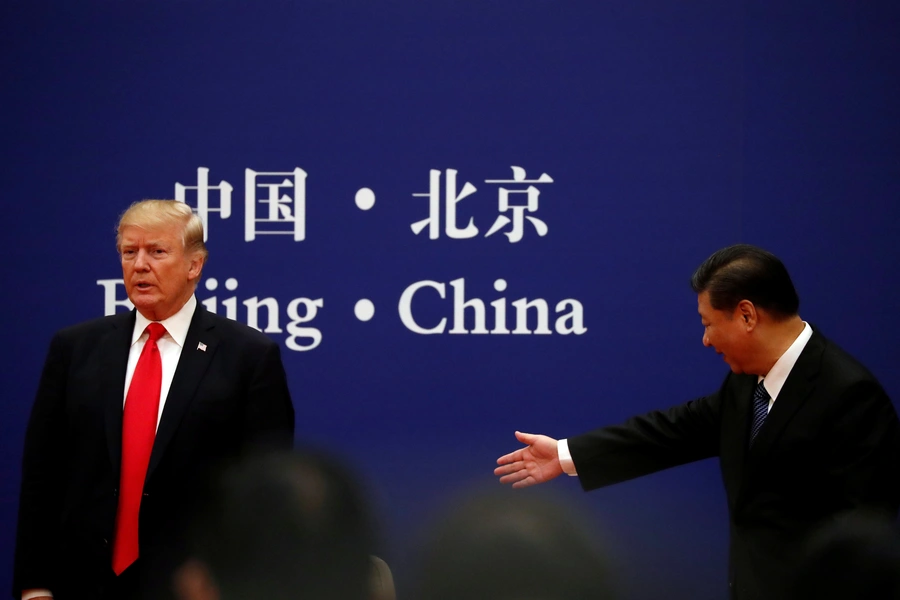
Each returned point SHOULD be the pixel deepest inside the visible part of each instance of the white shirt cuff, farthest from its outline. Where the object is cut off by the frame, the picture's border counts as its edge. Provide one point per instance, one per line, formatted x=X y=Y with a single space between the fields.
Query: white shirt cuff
x=565 y=458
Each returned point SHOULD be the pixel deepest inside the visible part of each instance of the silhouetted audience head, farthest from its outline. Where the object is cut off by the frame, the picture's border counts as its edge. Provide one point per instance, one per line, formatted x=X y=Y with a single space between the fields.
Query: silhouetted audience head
x=855 y=556
x=280 y=526
x=513 y=546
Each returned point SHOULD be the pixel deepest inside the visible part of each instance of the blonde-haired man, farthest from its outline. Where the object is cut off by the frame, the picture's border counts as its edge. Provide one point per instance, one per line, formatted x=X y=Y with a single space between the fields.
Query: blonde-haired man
x=132 y=413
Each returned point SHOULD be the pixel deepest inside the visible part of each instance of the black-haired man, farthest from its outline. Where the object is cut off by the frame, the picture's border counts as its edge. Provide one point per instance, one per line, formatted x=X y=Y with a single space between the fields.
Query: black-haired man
x=802 y=430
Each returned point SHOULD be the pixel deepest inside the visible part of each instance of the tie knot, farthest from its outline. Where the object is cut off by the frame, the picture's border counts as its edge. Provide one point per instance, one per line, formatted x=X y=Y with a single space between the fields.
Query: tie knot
x=156 y=331
x=761 y=393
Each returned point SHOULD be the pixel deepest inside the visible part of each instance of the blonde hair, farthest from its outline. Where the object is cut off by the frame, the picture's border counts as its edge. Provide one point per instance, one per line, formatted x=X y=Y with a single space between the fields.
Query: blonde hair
x=154 y=214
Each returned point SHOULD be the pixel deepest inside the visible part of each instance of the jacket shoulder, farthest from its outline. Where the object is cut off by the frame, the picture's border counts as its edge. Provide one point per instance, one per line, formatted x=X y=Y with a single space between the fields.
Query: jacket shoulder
x=95 y=327
x=229 y=329
x=840 y=365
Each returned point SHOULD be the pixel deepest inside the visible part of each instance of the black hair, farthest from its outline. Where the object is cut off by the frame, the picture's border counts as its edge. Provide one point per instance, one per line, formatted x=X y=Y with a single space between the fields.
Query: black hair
x=745 y=272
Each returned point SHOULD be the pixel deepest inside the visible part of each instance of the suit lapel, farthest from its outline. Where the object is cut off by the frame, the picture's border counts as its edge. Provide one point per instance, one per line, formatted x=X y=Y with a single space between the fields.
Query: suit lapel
x=199 y=347
x=801 y=382
x=113 y=351
x=736 y=429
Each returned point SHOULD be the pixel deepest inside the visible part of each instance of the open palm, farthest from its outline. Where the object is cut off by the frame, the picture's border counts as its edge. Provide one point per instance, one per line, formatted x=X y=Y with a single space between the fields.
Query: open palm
x=536 y=463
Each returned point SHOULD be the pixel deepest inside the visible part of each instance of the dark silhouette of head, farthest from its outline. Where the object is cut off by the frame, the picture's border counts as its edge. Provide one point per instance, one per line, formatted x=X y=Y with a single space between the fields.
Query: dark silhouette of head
x=279 y=526
x=855 y=556
x=513 y=546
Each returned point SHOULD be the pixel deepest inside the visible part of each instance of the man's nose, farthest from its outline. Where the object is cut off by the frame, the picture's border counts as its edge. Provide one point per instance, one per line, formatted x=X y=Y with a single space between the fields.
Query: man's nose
x=705 y=340
x=140 y=261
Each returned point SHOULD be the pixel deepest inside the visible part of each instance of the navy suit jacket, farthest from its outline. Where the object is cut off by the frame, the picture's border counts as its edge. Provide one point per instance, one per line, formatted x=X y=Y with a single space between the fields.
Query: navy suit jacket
x=831 y=443
x=223 y=400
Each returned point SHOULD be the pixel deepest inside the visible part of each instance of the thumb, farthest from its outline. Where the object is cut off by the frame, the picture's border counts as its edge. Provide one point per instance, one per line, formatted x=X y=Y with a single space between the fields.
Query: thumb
x=526 y=438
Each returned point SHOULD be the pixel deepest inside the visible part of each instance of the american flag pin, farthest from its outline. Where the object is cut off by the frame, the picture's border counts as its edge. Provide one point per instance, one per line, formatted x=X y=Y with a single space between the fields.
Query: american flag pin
x=201 y=347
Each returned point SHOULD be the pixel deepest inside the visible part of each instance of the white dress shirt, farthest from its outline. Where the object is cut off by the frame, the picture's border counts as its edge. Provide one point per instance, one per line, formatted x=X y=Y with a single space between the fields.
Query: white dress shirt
x=170 y=346
x=775 y=379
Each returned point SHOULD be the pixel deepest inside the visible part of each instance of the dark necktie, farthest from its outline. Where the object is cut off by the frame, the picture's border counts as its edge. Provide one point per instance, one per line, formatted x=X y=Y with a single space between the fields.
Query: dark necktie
x=760 y=410
x=138 y=432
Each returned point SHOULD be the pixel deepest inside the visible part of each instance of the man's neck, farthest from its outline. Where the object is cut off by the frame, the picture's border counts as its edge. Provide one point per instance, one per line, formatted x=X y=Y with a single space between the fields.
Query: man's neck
x=154 y=315
x=778 y=338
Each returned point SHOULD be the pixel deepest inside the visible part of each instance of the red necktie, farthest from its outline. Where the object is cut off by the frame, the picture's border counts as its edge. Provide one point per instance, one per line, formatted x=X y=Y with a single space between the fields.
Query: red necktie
x=138 y=431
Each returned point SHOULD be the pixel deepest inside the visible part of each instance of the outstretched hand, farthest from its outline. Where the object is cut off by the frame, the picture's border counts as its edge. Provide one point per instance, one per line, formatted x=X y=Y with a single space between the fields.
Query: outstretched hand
x=537 y=462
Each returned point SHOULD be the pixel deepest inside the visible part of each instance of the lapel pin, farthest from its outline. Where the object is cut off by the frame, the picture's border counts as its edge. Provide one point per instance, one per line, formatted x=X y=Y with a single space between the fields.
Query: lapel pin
x=201 y=346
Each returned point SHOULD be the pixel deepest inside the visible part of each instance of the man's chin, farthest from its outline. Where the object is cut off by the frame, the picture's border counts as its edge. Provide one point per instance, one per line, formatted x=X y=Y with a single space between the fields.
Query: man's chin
x=146 y=306
x=142 y=301
x=734 y=368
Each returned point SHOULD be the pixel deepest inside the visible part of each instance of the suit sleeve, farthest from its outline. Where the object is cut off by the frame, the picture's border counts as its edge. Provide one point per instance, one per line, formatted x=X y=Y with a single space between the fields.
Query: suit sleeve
x=43 y=464
x=865 y=455
x=648 y=443
x=269 y=415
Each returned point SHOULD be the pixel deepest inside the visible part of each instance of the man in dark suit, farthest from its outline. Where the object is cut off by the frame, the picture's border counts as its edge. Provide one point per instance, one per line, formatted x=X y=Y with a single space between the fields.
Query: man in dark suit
x=133 y=412
x=802 y=430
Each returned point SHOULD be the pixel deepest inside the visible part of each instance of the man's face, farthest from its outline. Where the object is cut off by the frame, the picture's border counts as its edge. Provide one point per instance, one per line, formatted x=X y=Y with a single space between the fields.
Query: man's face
x=725 y=331
x=159 y=277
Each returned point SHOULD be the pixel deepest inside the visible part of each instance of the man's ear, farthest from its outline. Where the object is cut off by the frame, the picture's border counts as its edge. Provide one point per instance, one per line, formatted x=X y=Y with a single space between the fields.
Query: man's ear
x=747 y=313
x=193 y=581
x=196 y=267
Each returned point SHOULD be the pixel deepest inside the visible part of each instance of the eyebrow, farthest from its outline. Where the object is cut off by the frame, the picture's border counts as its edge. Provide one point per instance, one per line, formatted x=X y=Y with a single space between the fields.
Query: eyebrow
x=149 y=243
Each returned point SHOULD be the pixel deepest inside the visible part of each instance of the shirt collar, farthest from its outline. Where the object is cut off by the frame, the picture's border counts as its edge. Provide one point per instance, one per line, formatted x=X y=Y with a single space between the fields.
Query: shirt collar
x=176 y=326
x=779 y=372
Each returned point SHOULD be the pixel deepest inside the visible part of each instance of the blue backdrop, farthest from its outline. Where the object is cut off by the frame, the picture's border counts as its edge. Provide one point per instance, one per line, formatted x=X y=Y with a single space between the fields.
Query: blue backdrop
x=637 y=137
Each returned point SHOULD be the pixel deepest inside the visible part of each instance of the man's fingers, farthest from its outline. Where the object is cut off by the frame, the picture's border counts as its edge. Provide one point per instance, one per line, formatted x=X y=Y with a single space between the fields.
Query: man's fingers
x=515 y=477
x=511 y=457
x=509 y=468
x=528 y=481
x=525 y=438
